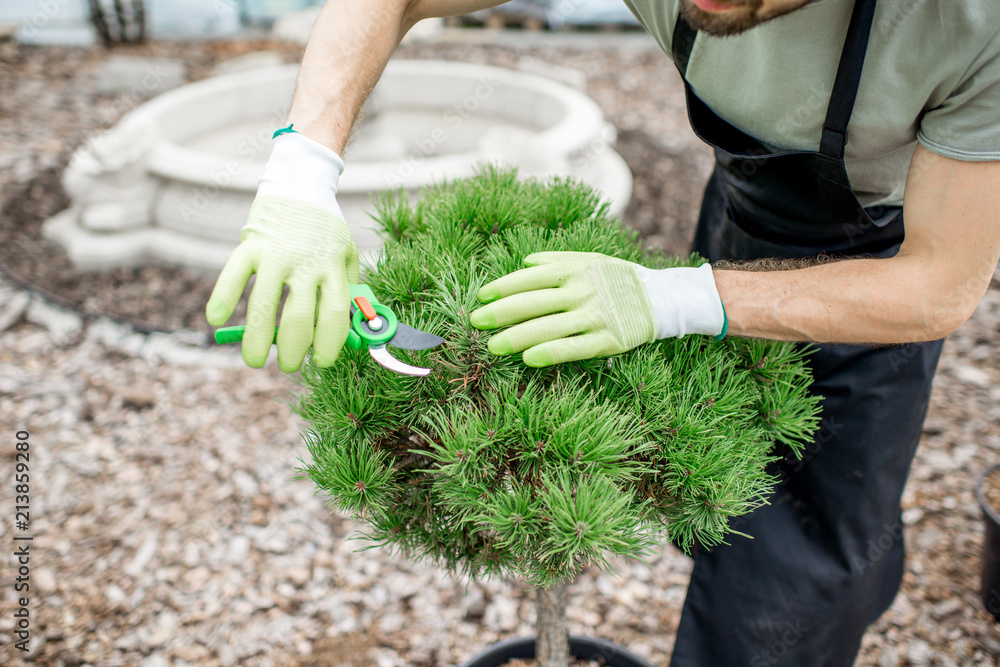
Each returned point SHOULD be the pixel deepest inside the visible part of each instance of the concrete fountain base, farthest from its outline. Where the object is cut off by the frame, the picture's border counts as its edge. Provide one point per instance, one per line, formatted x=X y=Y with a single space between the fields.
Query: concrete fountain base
x=175 y=178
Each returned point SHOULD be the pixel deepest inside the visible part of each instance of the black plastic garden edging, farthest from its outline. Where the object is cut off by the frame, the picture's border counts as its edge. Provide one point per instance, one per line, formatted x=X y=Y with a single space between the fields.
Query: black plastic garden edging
x=585 y=648
x=990 y=566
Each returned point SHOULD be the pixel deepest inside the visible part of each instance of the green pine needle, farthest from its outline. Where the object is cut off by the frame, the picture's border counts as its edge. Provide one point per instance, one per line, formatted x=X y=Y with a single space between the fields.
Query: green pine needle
x=492 y=468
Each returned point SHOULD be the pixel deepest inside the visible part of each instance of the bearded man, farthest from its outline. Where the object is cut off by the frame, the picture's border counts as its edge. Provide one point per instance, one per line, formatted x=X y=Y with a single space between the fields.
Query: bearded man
x=831 y=121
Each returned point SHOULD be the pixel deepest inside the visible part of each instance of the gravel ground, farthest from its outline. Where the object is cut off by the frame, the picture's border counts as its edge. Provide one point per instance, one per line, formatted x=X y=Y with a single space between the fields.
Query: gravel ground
x=54 y=89
x=168 y=528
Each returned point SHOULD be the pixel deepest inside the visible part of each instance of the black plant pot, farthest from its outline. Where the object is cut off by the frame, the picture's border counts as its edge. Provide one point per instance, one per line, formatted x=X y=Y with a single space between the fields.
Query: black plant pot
x=990 y=573
x=584 y=648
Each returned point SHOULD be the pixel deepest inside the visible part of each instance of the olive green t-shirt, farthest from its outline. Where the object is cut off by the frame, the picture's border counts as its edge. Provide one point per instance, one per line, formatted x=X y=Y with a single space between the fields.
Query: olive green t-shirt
x=931 y=74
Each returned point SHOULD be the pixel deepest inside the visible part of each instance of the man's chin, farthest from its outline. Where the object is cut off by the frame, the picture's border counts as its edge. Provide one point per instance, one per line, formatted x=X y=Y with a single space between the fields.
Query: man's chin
x=737 y=20
x=717 y=24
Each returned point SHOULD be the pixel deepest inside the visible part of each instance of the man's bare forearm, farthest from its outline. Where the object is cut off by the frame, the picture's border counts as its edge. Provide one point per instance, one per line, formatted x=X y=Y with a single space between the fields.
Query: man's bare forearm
x=348 y=49
x=858 y=301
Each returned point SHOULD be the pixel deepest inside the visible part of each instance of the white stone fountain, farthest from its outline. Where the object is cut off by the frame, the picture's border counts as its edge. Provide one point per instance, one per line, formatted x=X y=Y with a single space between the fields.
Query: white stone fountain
x=174 y=180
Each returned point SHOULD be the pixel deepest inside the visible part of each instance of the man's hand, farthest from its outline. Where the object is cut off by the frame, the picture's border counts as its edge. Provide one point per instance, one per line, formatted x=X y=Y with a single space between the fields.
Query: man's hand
x=580 y=305
x=296 y=236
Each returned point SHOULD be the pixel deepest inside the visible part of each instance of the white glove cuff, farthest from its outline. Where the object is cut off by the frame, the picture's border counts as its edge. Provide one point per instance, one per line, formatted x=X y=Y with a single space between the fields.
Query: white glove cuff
x=303 y=169
x=685 y=301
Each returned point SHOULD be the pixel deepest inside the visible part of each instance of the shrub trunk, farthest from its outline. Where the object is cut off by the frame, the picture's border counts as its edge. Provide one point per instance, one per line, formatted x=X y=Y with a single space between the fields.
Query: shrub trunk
x=552 y=643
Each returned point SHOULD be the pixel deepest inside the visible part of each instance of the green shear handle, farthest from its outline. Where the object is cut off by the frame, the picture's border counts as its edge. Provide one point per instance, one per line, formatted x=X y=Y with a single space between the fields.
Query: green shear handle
x=373 y=326
x=360 y=333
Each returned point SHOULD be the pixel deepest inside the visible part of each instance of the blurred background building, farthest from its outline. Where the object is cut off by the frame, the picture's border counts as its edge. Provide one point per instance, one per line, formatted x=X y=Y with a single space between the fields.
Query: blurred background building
x=69 y=21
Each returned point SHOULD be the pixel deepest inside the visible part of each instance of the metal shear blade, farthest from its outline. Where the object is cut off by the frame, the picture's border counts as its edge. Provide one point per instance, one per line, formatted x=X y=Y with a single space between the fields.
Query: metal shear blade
x=408 y=338
x=387 y=331
x=382 y=356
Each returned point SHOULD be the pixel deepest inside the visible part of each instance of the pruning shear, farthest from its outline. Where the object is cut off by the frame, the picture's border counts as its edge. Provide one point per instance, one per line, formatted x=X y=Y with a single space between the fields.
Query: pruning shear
x=373 y=325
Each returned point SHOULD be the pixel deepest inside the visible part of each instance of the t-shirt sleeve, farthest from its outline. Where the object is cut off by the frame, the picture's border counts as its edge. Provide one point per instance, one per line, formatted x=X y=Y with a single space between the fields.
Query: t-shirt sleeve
x=966 y=126
x=657 y=17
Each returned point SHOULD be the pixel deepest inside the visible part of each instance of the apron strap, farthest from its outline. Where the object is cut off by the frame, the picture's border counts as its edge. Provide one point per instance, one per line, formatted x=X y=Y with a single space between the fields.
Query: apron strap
x=681 y=44
x=845 y=86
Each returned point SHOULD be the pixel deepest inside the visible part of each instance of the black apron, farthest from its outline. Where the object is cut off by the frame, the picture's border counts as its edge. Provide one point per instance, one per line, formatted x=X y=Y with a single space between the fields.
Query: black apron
x=826 y=558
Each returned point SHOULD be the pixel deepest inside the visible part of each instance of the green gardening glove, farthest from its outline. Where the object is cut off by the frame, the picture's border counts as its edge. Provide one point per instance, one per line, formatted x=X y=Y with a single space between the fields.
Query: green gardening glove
x=578 y=305
x=296 y=236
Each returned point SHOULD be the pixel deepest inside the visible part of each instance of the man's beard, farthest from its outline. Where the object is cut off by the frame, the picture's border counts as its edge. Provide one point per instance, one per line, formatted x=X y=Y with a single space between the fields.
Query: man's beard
x=745 y=14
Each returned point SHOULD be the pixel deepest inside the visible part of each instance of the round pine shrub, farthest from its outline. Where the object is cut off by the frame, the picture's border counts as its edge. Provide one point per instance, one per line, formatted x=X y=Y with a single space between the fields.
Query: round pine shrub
x=491 y=467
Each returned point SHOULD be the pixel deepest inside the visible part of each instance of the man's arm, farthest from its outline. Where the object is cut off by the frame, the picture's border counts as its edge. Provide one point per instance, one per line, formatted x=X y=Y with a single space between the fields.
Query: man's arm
x=295 y=235
x=925 y=292
x=348 y=50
